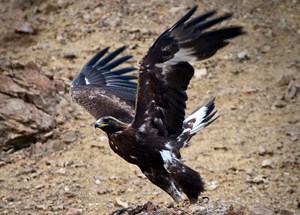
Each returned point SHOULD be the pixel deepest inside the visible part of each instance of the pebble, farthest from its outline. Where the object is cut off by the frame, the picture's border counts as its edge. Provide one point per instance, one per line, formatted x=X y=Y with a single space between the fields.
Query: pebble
x=62 y=171
x=284 y=80
x=38 y=187
x=259 y=179
x=267 y=163
x=199 y=73
x=212 y=185
x=265 y=48
x=258 y=210
x=121 y=202
x=26 y=28
x=87 y=18
x=69 y=55
x=291 y=90
x=60 y=38
x=103 y=138
x=243 y=55
x=73 y=211
x=69 y=137
x=250 y=171
x=261 y=151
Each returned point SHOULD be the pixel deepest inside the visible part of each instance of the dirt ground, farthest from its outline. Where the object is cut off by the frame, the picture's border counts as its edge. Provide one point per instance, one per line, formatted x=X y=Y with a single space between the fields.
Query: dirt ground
x=249 y=156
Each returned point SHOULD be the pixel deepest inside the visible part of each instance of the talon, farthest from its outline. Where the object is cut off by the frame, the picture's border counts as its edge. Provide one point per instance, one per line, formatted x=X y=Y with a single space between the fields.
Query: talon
x=184 y=202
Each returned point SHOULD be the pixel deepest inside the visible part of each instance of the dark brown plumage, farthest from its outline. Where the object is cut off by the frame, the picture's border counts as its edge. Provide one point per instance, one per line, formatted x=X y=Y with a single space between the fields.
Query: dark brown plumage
x=151 y=132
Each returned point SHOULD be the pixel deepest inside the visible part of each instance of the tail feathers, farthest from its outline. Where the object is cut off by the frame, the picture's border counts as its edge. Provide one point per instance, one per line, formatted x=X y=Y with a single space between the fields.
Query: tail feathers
x=201 y=117
x=188 y=180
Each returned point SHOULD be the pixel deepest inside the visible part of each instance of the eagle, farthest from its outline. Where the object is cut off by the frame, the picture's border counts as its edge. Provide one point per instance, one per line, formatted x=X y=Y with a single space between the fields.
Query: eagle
x=144 y=119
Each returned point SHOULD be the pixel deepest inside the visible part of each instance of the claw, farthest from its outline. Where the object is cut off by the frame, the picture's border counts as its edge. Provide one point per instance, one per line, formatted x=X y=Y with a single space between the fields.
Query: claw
x=183 y=203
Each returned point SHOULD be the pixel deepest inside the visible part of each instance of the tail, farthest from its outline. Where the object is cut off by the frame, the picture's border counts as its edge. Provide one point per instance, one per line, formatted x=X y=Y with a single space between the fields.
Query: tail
x=188 y=180
x=201 y=117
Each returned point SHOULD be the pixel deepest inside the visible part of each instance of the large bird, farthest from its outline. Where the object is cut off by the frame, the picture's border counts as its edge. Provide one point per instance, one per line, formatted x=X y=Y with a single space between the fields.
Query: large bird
x=145 y=122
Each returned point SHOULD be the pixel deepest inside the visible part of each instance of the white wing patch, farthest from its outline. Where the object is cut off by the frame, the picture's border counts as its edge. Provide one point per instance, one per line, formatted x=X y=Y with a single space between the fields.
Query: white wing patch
x=183 y=55
x=86 y=81
x=199 y=115
x=142 y=129
x=168 y=158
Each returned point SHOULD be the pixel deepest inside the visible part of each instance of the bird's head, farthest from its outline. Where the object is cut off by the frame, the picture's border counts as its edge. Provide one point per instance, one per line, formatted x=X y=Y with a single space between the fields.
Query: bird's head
x=110 y=124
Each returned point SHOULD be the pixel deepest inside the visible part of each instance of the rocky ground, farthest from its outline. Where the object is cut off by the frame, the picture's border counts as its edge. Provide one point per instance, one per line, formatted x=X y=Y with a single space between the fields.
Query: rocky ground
x=249 y=158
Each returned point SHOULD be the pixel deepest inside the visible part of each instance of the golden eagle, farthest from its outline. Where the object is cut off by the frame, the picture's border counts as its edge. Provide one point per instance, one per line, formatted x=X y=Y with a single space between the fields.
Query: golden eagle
x=145 y=122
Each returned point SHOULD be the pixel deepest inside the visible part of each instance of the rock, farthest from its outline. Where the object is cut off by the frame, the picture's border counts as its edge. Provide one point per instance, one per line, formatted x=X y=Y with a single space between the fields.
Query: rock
x=284 y=80
x=257 y=210
x=261 y=151
x=291 y=91
x=87 y=18
x=284 y=212
x=199 y=73
x=103 y=138
x=244 y=55
x=62 y=171
x=250 y=171
x=268 y=163
x=265 y=48
x=212 y=185
x=29 y=102
x=69 y=55
x=60 y=38
x=26 y=28
x=259 y=179
x=73 y=211
x=69 y=137
x=121 y=202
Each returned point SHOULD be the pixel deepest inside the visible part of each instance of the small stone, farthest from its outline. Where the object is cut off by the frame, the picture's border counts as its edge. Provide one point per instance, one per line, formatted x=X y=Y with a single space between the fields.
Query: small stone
x=66 y=189
x=133 y=46
x=87 y=18
x=259 y=179
x=120 y=202
x=243 y=55
x=60 y=38
x=258 y=210
x=250 y=171
x=284 y=212
x=291 y=91
x=265 y=48
x=97 y=181
x=26 y=28
x=284 y=80
x=62 y=171
x=38 y=187
x=212 y=185
x=103 y=139
x=199 y=73
x=267 y=163
x=69 y=137
x=69 y=55
x=41 y=207
x=73 y=211
x=261 y=151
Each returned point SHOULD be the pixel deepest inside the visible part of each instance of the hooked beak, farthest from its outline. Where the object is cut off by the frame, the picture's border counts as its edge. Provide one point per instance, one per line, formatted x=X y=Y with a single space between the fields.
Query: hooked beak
x=100 y=124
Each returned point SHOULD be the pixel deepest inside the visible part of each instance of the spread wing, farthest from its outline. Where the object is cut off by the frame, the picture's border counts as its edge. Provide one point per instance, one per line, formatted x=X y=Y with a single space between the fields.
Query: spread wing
x=165 y=72
x=104 y=90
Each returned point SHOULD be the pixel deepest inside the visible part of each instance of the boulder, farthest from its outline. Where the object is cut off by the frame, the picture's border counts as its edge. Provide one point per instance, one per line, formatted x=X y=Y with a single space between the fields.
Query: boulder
x=28 y=105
